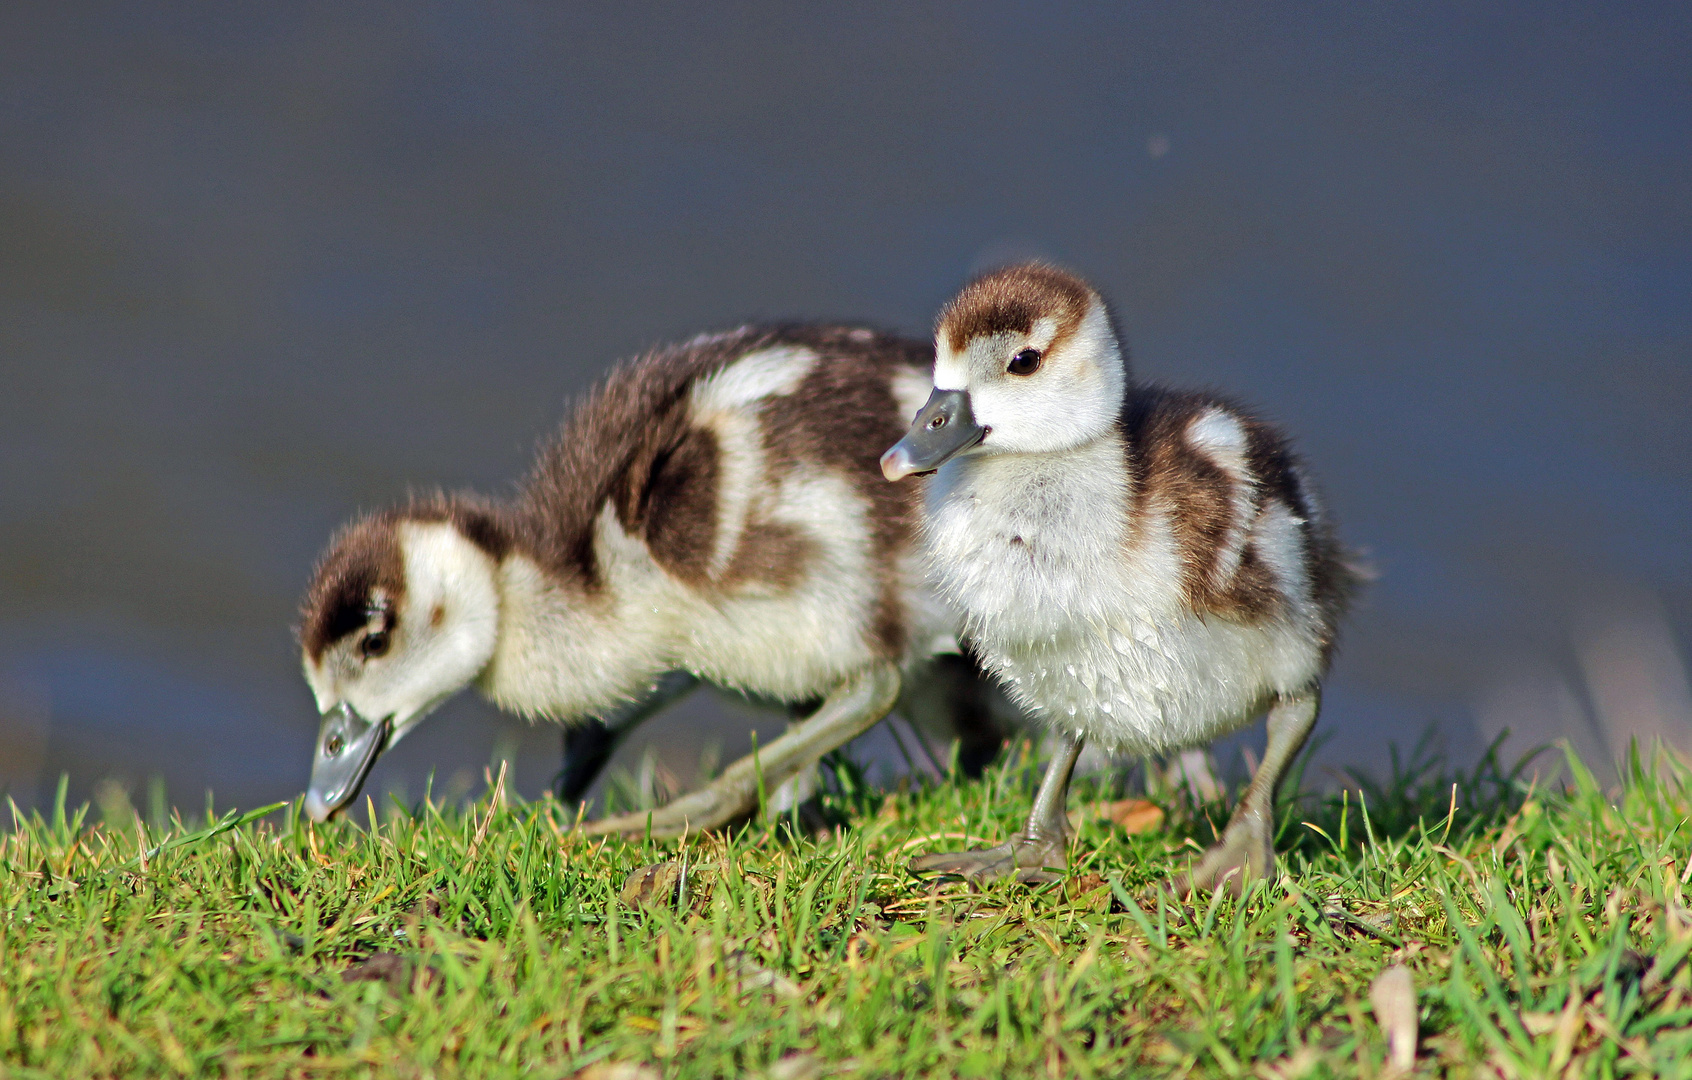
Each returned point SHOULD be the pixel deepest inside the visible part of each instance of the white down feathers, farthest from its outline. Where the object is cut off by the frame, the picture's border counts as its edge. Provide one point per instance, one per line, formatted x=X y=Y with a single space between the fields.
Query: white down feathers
x=1081 y=612
x=559 y=657
x=1075 y=588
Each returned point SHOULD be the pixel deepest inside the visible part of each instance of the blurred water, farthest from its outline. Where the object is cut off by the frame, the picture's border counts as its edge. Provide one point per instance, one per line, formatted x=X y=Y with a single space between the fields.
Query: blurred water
x=263 y=265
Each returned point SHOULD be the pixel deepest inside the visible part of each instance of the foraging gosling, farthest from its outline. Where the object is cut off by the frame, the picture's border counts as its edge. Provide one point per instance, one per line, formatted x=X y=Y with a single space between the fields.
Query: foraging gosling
x=711 y=513
x=1145 y=568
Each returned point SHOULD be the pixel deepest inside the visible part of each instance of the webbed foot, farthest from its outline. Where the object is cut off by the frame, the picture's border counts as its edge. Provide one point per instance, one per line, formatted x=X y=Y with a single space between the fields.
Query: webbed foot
x=1246 y=850
x=1245 y=853
x=1029 y=859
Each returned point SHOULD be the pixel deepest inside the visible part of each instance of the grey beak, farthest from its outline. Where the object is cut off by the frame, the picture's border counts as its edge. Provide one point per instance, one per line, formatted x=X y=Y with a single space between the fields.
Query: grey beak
x=943 y=429
x=347 y=745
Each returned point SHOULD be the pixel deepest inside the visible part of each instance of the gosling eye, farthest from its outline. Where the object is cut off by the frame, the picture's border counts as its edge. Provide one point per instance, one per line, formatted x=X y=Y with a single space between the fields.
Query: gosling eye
x=374 y=644
x=1025 y=362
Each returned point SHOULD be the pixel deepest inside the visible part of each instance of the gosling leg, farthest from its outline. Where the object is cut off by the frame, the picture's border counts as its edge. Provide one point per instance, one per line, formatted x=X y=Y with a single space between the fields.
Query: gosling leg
x=1246 y=848
x=851 y=709
x=1032 y=854
x=590 y=744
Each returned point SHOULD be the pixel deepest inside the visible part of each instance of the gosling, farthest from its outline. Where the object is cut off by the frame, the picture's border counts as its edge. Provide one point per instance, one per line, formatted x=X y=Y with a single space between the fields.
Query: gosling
x=1146 y=568
x=710 y=513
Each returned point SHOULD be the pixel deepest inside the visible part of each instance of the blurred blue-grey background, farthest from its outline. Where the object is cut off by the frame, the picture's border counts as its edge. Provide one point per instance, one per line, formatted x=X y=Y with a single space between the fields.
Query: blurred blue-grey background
x=263 y=265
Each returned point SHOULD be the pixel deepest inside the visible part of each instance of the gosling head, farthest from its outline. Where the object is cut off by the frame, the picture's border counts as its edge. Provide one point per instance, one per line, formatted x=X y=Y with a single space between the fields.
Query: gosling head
x=1026 y=361
x=402 y=613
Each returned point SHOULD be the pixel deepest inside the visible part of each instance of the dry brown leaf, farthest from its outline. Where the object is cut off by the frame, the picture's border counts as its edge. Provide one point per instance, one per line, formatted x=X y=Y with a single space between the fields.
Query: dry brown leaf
x=655 y=884
x=396 y=972
x=1087 y=891
x=1129 y=815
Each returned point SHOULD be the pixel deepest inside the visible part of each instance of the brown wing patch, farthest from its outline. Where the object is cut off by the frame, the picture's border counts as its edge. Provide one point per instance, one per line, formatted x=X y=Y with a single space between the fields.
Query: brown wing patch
x=606 y=449
x=1252 y=594
x=1204 y=502
x=841 y=418
x=1008 y=301
x=1199 y=498
x=631 y=443
x=772 y=554
x=673 y=507
x=1333 y=582
x=1153 y=421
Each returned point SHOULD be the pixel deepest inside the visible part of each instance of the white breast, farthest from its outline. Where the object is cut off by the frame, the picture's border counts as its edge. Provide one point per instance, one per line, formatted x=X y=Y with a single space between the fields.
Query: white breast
x=1088 y=628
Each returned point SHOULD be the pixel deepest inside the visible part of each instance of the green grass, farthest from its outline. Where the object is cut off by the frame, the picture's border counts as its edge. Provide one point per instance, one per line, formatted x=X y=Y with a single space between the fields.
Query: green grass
x=1544 y=929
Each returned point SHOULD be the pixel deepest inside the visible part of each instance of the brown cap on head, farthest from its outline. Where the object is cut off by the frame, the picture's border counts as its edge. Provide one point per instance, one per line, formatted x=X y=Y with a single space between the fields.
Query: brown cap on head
x=363 y=558
x=1008 y=301
x=364 y=561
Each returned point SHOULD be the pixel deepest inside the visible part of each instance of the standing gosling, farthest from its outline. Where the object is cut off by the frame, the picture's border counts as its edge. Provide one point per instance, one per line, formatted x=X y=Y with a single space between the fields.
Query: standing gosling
x=1143 y=567
x=710 y=513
